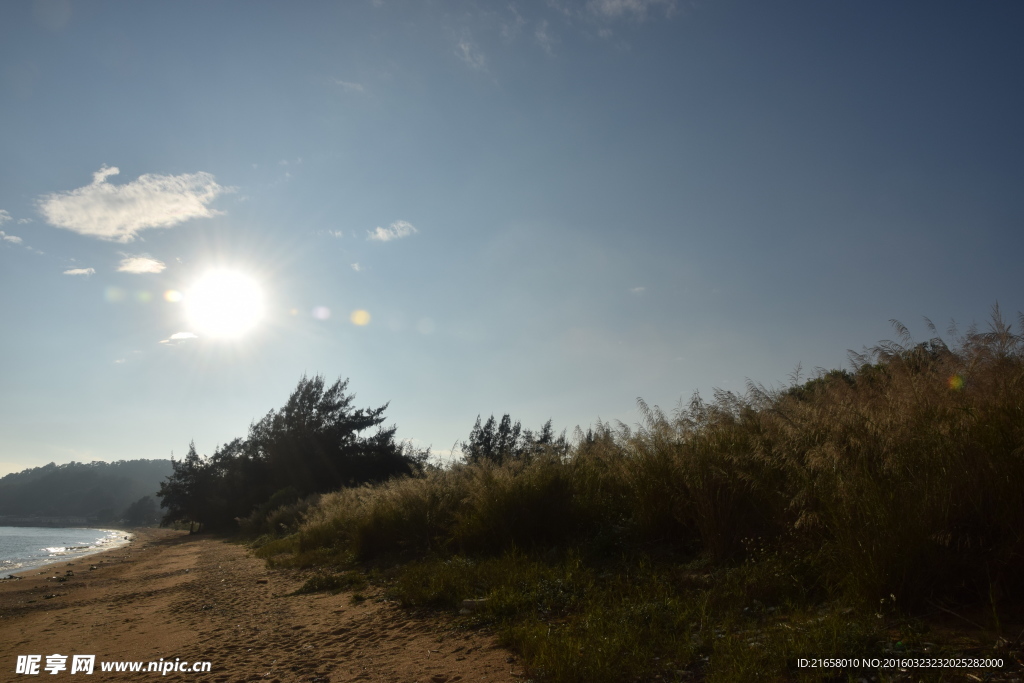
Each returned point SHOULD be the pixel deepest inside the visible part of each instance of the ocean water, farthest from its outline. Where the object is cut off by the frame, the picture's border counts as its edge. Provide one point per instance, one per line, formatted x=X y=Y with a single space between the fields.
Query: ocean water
x=25 y=547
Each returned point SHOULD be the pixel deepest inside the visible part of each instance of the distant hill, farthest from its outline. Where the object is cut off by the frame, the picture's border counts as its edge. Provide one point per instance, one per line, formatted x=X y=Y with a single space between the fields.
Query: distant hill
x=78 y=493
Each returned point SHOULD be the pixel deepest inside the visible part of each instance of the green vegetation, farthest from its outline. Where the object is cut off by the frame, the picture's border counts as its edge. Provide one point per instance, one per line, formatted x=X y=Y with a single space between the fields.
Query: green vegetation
x=143 y=512
x=81 y=493
x=310 y=446
x=728 y=539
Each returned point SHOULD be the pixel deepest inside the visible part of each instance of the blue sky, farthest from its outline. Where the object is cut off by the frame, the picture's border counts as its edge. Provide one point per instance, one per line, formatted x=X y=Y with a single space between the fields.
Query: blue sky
x=547 y=209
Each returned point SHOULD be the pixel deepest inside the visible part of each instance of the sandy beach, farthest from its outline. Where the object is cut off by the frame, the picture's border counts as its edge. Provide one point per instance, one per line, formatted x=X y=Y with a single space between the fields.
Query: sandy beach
x=171 y=596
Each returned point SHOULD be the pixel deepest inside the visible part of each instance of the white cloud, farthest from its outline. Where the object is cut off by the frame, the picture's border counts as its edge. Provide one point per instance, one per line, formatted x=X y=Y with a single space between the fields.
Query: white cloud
x=356 y=267
x=638 y=290
x=80 y=271
x=396 y=230
x=4 y=237
x=468 y=53
x=119 y=361
x=179 y=338
x=349 y=86
x=613 y=9
x=140 y=264
x=118 y=212
x=23 y=221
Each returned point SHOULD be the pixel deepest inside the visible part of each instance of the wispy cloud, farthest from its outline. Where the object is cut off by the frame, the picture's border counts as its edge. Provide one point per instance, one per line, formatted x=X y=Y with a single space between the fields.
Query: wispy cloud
x=395 y=231
x=4 y=216
x=80 y=271
x=349 y=86
x=356 y=267
x=119 y=212
x=471 y=55
x=614 y=9
x=638 y=290
x=140 y=264
x=544 y=37
x=511 y=29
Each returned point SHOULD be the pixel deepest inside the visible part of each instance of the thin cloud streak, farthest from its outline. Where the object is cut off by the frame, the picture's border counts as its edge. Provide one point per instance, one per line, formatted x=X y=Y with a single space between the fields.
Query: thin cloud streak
x=543 y=37
x=349 y=86
x=179 y=338
x=613 y=9
x=80 y=271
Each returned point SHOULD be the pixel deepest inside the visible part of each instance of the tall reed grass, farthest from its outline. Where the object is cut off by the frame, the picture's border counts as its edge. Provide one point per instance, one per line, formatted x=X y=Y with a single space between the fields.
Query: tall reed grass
x=898 y=481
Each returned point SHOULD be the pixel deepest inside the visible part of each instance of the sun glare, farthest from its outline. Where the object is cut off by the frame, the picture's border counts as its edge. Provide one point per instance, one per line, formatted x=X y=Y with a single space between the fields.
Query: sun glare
x=224 y=304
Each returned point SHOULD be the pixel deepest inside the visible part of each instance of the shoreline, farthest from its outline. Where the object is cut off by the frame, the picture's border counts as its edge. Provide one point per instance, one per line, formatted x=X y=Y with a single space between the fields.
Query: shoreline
x=170 y=596
x=123 y=539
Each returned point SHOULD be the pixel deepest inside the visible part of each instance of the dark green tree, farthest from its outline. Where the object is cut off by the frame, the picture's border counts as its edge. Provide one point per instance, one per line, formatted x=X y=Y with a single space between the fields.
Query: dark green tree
x=313 y=444
x=142 y=512
x=184 y=492
x=504 y=440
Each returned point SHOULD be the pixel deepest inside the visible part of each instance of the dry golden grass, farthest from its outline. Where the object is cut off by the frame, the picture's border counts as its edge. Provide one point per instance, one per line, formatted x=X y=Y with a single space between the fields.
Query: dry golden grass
x=897 y=483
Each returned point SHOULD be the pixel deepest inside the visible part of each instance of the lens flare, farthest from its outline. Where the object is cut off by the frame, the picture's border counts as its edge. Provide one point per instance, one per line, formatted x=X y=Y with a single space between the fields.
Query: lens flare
x=360 y=317
x=956 y=382
x=173 y=296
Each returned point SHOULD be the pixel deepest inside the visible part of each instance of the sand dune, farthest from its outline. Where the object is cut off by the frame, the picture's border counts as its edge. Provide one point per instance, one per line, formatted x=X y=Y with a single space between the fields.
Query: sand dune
x=170 y=595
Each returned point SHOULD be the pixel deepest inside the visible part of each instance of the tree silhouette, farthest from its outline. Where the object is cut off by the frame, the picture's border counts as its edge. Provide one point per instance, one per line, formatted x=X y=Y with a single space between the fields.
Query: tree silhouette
x=311 y=445
x=502 y=441
x=182 y=493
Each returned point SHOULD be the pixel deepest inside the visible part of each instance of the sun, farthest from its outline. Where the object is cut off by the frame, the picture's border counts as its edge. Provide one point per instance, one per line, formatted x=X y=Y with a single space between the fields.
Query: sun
x=224 y=303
